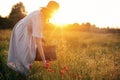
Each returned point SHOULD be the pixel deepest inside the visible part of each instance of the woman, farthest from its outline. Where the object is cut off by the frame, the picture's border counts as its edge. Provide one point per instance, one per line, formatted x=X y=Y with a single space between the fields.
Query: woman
x=27 y=37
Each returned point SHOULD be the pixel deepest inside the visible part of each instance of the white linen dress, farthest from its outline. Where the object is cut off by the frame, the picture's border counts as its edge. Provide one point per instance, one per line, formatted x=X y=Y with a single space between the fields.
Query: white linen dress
x=22 y=48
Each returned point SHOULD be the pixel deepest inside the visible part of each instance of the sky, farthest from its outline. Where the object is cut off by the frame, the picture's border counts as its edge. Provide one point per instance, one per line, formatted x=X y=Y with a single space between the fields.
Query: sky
x=102 y=13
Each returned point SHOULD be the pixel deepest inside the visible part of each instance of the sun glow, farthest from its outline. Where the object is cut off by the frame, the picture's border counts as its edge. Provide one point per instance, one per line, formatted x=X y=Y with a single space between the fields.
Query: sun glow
x=60 y=19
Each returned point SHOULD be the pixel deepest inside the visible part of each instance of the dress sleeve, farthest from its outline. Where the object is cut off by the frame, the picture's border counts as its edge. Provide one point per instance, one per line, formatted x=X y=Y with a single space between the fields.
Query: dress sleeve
x=37 y=26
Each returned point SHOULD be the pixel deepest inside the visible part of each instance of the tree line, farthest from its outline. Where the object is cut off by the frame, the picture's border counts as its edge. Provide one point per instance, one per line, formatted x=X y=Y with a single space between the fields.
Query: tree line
x=18 y=12
x=87 y=27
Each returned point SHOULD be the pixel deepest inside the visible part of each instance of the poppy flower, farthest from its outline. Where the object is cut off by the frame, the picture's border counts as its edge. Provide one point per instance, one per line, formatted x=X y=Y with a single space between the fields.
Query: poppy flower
x=74 y=75
x=79 y=76
x=65 y=68
x=49 y=70
x=47 y=65
x=62 y=72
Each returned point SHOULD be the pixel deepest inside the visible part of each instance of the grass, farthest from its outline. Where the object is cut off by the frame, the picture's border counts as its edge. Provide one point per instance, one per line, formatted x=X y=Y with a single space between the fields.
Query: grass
x=87 y=56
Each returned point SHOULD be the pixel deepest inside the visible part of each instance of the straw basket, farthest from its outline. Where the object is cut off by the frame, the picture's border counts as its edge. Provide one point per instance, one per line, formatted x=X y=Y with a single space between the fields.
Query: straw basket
x=49 y=52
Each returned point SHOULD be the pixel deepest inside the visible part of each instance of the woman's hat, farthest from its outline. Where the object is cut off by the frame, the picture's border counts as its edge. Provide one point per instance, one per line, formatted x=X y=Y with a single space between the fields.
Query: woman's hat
x=52 y=5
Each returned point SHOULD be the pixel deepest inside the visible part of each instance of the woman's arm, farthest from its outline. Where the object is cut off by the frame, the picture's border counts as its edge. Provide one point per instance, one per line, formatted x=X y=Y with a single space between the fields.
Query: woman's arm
x=40 y=49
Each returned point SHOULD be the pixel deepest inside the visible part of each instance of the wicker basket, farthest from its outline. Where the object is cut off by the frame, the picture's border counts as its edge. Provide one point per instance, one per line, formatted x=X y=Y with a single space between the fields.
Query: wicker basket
x=49 y=52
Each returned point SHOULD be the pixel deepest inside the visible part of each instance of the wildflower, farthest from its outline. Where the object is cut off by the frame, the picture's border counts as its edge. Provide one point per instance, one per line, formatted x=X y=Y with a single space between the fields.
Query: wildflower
x=47 y=65
x=62 y=72
x=79 y=76
x=49 y=70
x=74 y=75
x=65 y=68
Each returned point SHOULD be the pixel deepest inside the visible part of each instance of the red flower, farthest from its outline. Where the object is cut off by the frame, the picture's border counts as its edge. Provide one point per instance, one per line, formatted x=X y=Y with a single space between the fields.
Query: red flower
x=49 y=70
x=62 y=72
x=74 y=75
x=79 y=76
x=47 y=65
x=65 y=68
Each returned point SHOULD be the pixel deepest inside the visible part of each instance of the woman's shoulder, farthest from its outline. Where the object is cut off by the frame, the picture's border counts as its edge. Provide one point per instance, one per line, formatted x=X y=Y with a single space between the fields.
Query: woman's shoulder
x=34 y=14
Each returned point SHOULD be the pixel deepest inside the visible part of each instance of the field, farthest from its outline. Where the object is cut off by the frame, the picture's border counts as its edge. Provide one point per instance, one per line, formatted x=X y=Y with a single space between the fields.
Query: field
x=80 y=56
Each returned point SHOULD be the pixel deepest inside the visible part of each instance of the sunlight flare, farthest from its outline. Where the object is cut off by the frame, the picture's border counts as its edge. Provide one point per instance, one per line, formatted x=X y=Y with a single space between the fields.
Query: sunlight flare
x=59 y=19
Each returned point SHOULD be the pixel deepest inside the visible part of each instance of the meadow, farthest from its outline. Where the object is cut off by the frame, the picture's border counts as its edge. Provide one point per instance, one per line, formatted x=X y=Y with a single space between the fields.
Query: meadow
x=80 y=56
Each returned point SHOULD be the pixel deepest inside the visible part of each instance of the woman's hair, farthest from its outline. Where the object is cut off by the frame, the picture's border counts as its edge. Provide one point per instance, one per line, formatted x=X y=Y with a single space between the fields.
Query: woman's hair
x=52 y=5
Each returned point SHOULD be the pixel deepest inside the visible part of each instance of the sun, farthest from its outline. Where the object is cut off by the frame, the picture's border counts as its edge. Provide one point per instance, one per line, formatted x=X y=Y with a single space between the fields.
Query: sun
x=59 y=19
